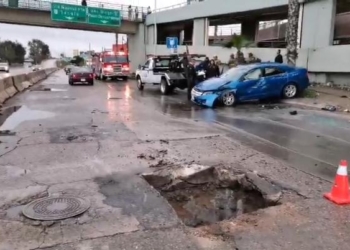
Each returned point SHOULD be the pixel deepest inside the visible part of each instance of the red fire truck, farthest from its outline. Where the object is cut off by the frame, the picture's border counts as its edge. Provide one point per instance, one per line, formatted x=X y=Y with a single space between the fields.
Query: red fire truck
x=112 y=64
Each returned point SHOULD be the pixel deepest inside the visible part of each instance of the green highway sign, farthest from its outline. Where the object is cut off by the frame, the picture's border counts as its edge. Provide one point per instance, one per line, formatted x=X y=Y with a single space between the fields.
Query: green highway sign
x=105 y=17
x=68 y=13
x=81 y=14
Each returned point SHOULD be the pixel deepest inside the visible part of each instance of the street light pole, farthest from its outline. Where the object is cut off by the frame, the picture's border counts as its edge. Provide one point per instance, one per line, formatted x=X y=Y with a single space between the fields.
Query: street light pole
x=155 y=27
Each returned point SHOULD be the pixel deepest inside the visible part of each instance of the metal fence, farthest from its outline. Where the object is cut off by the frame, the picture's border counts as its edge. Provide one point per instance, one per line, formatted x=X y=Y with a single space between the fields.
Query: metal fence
x=135 y=13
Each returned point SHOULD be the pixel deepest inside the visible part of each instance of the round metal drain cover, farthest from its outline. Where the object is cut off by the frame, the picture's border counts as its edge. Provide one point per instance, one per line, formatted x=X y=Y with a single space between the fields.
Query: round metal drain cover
x=55 y=208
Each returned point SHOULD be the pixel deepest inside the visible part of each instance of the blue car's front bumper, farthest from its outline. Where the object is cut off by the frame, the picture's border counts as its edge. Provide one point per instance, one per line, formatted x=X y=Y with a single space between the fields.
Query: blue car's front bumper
x=205 y=99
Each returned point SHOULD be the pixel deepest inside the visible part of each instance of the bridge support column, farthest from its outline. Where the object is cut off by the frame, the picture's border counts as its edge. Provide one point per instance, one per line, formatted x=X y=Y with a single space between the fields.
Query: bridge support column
x=249 y=29
x=320 y=12
x=137 y=48
x=200 y=32
x=150 y=35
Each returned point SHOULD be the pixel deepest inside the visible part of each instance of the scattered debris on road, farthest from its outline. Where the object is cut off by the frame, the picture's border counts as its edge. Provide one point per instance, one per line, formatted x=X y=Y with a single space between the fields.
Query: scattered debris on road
x=330 y=108
x=294 y=112
x=7 y=132
x=71 y=137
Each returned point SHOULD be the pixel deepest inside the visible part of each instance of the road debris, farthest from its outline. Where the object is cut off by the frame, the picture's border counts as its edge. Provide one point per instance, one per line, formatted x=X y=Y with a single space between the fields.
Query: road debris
x=329 y=108
x=71 y=137
x=294 y=112
x=7 y=132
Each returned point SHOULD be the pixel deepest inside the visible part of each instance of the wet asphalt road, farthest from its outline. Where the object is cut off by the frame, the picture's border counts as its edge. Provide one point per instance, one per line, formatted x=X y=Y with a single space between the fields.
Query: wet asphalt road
x=311 y=141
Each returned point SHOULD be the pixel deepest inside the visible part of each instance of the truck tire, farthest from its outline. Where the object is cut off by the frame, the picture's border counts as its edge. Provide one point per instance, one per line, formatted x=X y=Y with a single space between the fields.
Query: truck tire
x=165 y=89
x=102 y=77
x=140 y=84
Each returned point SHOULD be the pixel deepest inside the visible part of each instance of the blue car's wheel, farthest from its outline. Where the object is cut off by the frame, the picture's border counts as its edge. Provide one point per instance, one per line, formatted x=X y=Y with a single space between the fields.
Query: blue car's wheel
x=290 y=91
x=228 y=99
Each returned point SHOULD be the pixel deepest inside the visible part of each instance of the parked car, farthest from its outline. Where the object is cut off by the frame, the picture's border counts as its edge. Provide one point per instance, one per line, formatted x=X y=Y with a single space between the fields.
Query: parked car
x=81 y=75
x=251 y=82
x=4 y=66
x=36 y=67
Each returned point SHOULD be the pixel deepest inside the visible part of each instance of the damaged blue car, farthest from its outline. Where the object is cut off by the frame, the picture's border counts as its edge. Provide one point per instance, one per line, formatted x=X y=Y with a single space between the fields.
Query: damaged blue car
x=251 y=82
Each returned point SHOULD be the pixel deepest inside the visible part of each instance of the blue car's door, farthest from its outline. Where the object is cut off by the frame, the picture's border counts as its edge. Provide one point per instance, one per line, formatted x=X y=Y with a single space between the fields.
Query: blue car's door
x=276 y=79
x=252 y=86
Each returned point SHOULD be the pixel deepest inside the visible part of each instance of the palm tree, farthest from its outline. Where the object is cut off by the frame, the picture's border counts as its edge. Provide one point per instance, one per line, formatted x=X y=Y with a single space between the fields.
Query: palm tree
x=238 y=42
x=292 y=31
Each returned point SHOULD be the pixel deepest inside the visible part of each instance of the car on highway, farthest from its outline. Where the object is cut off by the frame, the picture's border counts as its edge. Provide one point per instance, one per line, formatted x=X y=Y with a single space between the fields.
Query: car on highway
x=81 y=75
x=4 y=66
x=251 y=82
x=36 y=67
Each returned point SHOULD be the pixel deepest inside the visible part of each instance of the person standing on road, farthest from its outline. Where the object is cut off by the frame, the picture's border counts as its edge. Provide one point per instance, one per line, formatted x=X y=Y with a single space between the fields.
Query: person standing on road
x=231 y=62
x=213 y=70
x=279 y=57
x=216 y=60
x=83 y=3
x=191 y=75
x=185 y=65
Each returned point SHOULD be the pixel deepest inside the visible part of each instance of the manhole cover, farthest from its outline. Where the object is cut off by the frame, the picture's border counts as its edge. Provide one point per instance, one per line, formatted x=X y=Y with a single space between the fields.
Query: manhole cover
x=55 y=208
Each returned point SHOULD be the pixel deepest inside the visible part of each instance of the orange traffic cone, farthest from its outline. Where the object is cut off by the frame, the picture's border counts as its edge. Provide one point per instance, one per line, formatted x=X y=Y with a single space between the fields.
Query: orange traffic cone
x=340 y=193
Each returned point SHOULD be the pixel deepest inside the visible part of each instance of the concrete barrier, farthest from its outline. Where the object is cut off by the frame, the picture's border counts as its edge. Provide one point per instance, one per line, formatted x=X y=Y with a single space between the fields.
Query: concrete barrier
x=3 y=94
x=21 y=82
x=9 y=86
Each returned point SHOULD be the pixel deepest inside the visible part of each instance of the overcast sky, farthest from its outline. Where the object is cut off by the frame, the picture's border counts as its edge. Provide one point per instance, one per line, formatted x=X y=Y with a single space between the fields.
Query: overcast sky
x=65 y=41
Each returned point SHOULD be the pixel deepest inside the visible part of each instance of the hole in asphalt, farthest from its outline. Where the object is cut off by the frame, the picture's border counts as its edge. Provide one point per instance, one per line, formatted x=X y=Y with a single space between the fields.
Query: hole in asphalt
x=203 y=195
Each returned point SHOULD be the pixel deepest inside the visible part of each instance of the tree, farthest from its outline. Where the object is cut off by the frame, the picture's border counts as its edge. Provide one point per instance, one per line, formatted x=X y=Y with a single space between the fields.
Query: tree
x=78 y=60
x=292 y=31
x=38 y=50
x=13 y=52
x=238 y=42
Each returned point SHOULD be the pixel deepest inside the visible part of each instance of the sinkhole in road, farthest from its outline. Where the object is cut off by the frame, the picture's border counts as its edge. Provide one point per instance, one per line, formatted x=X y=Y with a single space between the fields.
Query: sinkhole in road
x=203 y=195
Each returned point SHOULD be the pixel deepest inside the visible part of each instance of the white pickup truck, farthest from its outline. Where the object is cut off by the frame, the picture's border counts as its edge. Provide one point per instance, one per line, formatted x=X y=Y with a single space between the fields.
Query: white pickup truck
x=4 y=66
x=158 y=71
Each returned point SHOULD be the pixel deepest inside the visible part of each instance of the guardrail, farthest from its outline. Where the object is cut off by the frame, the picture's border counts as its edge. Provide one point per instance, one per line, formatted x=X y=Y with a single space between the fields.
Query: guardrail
x=45 y=5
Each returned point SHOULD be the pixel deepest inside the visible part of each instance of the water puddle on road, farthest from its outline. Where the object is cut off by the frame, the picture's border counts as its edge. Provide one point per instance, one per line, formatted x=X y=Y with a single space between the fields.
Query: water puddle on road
x=49 y=89
x=13 y=116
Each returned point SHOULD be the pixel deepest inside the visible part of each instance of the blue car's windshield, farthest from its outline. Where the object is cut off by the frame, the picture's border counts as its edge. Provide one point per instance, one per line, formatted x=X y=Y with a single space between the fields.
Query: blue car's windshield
x=234 y=73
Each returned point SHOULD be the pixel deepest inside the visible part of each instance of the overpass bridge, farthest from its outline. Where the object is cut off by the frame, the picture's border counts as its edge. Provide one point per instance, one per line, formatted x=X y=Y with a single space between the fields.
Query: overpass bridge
x=38 y=13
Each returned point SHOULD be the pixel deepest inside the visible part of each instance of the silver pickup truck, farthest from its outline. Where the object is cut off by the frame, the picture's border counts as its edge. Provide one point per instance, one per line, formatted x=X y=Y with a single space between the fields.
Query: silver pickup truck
x=4 y=66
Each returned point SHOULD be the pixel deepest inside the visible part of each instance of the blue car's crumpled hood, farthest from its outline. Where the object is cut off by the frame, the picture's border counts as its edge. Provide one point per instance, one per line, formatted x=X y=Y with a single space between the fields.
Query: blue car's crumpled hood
x=211 y=84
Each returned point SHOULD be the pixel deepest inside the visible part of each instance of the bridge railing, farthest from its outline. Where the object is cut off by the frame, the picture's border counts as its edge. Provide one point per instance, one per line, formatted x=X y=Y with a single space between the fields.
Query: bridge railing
x=45 y=5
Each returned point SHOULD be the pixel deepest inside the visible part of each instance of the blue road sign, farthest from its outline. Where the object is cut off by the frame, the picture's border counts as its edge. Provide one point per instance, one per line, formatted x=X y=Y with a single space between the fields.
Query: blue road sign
x=172 y=42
